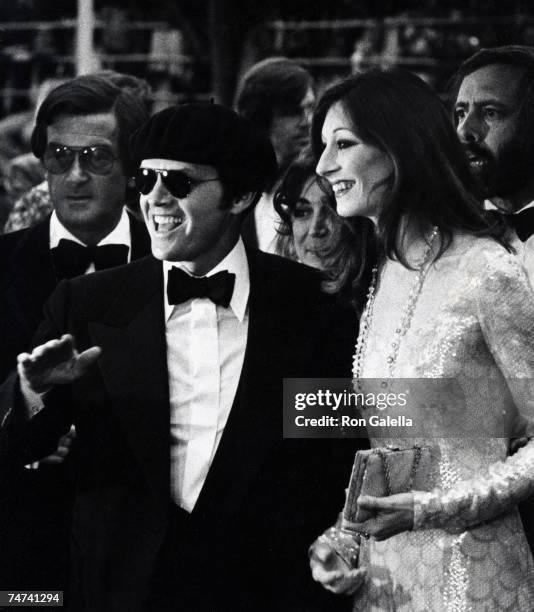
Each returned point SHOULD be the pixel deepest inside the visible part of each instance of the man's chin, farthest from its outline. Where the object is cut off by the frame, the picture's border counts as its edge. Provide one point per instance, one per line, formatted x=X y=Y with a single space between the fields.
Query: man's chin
x=482 y=185
x=504 y=188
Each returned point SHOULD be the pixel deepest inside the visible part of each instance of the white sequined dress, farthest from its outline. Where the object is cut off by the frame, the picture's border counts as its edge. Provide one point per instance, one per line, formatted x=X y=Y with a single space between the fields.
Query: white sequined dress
x=473 y=321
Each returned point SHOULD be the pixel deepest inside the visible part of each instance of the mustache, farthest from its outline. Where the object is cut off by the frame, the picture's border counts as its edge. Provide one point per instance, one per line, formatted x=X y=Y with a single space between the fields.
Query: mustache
x=472 y=148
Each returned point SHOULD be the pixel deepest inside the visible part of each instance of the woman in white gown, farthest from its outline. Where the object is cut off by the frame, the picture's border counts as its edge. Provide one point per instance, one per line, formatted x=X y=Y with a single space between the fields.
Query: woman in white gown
x=448 y=301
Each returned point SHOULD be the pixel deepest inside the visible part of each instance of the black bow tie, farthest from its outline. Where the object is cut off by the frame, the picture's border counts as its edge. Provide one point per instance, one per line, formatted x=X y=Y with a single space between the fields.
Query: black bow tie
x=72 y=259
x=522 y=222
x=182 y=287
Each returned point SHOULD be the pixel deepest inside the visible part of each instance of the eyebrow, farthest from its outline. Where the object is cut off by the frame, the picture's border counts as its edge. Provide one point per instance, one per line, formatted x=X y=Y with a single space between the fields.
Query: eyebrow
x=100 y=145
x=58 y=143
x=302 y=200
x=344 y=128
x=484 y=102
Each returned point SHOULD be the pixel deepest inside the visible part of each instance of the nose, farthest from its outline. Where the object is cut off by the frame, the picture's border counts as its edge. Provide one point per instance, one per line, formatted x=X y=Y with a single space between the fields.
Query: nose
x=319 y=227
x=470 y=128
x=77 y=174
x=327 y=163
x=159 y=195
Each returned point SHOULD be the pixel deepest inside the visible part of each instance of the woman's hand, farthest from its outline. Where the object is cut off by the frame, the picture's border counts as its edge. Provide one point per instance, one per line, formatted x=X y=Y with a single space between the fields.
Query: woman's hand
x=331 y=572
x=391 y=515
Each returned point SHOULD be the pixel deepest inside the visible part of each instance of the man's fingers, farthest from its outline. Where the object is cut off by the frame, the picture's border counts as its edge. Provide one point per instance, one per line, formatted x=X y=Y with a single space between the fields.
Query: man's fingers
x=66 y=441
x=54 y=459
x=63 y=448
x=51 y=352
x=88 y=357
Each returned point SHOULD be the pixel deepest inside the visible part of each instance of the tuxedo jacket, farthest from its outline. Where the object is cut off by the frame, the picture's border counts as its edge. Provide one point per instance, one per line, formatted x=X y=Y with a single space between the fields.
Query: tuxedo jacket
x=27 y=279
x=265 y=498
x=35 y=505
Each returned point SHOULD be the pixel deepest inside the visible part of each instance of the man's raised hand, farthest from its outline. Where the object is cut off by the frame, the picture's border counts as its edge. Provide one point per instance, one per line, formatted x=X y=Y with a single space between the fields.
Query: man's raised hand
x=56 y=362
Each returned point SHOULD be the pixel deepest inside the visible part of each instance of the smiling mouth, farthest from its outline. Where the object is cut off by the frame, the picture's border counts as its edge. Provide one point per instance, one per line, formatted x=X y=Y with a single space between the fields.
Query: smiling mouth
x=342 y=187
x=475 y=161
x=166 y=223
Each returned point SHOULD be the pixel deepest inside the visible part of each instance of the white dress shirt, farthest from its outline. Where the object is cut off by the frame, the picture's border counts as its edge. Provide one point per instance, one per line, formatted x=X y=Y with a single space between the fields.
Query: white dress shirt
x=119 y=235
x=205 y=350
x=524 y=250
x=266 y=221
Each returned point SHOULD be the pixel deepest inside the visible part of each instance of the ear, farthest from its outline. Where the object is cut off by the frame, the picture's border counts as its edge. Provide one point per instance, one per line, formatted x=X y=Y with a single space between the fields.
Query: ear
x=241 y=203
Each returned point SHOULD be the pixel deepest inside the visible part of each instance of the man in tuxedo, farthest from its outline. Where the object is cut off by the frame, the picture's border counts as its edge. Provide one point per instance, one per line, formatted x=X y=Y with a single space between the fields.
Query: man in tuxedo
x=81 y=136
x=493 y=110
x=188 y=496
x=493 y=93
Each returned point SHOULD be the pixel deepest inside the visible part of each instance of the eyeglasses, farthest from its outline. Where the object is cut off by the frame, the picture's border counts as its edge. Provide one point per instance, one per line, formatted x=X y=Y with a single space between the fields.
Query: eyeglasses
x=58 y=159
x=177 y=182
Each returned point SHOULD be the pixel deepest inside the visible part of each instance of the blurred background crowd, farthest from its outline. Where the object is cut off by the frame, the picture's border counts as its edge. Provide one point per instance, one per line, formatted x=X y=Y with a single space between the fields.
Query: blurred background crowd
x=195 y=49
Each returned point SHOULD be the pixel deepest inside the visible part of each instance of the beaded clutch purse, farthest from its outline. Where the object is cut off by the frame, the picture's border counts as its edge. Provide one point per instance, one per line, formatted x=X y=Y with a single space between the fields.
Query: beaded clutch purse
x=385 y=471
x=378 y=472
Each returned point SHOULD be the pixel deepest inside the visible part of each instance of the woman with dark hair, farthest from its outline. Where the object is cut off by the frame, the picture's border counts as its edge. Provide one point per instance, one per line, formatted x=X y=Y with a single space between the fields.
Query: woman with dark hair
x=313 y=233
x=447 y=302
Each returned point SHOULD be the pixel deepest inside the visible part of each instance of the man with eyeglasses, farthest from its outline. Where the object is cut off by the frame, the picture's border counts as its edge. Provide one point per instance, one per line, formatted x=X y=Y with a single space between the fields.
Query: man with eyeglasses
x=81 y=135
x=189 y=497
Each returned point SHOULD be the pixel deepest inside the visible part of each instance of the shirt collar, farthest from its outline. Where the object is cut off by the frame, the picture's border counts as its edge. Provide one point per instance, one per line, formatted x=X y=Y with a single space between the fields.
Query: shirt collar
x=119 y=235
x=235 y=262
x=529 y=205
x=489 y=205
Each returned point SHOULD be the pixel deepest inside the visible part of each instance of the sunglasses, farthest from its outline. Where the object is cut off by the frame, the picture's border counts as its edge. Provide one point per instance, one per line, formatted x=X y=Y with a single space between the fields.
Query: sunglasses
x=58 y=159
x=177 y=182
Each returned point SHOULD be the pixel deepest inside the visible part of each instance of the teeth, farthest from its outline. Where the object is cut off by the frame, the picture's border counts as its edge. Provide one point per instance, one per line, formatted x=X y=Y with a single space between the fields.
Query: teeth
x=166 y=222
x=341 y=187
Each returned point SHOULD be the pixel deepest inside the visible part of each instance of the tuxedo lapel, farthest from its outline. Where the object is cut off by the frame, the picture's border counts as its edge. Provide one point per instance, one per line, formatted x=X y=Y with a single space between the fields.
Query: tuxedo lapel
x=140 y=238
x=134 y=368
x=254 y=426
x=31 y=277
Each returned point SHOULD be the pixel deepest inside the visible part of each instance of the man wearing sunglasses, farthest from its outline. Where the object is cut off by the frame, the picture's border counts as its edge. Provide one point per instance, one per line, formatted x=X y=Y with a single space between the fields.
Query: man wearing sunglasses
x=189 y=496
x=81 y=135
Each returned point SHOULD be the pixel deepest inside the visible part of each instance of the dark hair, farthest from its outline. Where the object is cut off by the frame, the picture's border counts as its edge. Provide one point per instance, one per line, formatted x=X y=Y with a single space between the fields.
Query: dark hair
x=348 y=262
x=128 y=82
x=399 y=113
x=275 y=85
x=517 y=56
x=89 y=95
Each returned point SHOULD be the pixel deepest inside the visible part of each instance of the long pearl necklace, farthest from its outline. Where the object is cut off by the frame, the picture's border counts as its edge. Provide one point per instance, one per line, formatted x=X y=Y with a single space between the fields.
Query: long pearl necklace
x=406 y=319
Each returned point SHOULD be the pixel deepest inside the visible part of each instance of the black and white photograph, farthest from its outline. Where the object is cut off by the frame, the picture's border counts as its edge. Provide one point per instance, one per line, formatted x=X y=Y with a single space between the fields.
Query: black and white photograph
x=267 y=305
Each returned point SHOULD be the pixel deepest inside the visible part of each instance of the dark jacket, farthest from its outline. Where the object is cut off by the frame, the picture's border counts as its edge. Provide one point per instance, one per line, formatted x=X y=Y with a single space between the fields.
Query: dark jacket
x=265 y=497
x=27 y=280
x=35 y=506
